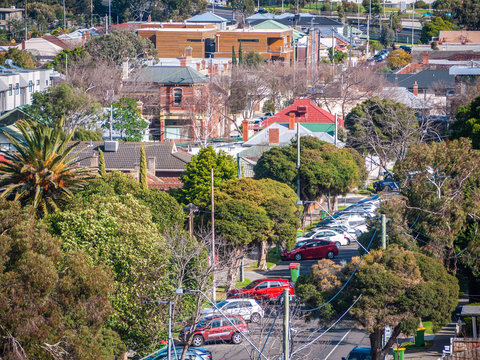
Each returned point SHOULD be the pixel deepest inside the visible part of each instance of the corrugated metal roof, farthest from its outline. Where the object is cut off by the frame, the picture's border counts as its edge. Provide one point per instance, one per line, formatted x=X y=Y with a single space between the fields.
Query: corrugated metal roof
x=207 y=17
x=169 y=75
x=272 y=24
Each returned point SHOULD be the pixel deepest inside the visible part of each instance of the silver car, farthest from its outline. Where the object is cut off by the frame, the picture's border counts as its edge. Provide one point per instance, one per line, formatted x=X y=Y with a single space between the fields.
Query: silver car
x=248 y=309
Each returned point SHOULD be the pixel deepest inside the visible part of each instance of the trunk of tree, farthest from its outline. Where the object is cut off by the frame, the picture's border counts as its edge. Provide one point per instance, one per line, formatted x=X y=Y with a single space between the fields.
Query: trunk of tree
x=233 y=268
x=262 y=255
x=376 y=345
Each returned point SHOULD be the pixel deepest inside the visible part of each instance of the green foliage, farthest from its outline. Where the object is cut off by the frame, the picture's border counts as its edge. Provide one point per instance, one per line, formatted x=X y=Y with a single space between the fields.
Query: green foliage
x=48 y=296
x=324 y=169
x=468 y=14
x=387 y=36
x=240 y=54
x=398 y=59
x=375 y=4
x=20 y=58
x=243 y=6
x=119 y=45
x=67 y=57
x=82 y=134
x=420 y=4
x=43 y=171
x=118 y=232
x=196 y=178
x=127 y=120
x=63 y=102
x=234 y=57
x=467 y=122
x=433 y=28
x=101 y=164
x=254 y=59
x=269 y=106
x=143 y=170
x=338 y=57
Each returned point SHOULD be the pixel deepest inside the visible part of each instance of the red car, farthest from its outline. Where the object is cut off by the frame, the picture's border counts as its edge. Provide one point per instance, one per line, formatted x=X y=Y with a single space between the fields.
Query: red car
x=311 y=250
x=215 y=328
x=263 y=289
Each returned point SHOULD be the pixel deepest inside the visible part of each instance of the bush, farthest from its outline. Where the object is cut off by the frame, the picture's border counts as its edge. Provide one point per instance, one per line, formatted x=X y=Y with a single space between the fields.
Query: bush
x=434 y=45
x=420 y=4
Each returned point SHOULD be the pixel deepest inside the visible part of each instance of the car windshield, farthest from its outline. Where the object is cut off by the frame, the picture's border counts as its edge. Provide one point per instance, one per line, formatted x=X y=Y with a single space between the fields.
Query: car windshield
x=222 y=304
x=309 y=234
x=202 y=323
x=252 y=284
x=301 y=243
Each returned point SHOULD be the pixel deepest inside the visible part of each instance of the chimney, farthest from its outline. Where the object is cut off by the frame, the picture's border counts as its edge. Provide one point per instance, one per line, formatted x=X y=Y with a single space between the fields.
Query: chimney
x=244 y=130
x=94 y=161
x=203 y=64
x=87 y=35
x=23 y=44
x=291 y=120
x=273 y=136
x=162 y=129
x=183 y=61
x=198 y=67
x=426 y=58
x=188 y=52
x=415 y=88
x=151 y=164
x=149 y=20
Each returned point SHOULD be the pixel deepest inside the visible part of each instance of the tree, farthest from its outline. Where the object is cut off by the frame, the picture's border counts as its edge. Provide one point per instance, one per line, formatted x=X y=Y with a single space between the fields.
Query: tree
x=420 y=4
x=432 y=29
x=243 y=6
x=324 y=169
x=240 y=55
x=375 y=4
x=101 y=164
x=467 y=122
x=20 y=58
x=398 y=59
x=50 y=300
x=65 y=102
x=399 y=288
x=119 y=45
x=253 y=58
x=468 y=14
x=68 y=57
x=82 y=134
x=338 y=56
x=196 y=177
x=234 y=57
x=387 y=36
x=127 y=120
x=143 y=170
x=382 y=128
x=42 y=172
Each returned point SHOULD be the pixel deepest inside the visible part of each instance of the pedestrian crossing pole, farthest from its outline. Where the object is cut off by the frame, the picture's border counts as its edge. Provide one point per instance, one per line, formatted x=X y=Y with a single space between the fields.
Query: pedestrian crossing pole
x=384 y=232
x=286 y=325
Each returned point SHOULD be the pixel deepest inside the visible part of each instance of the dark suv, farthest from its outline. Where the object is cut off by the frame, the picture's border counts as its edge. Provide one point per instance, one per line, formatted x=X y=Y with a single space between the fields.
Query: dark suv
x=387 y=184
x=217 y=327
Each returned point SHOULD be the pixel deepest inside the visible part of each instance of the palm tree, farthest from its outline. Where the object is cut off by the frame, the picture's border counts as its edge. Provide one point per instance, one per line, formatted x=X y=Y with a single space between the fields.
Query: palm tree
x=42 y=171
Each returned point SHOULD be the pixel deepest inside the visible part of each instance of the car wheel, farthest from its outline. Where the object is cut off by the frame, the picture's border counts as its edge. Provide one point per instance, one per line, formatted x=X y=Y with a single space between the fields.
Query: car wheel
x=255 y=318
x=236 y=338
x=197 y=340
x=298 y=257
x=387 y=188
x=330 y=255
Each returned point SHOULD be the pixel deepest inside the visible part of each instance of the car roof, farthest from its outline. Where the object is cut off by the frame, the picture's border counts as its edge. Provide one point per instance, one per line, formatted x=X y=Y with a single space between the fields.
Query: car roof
x=361 y=349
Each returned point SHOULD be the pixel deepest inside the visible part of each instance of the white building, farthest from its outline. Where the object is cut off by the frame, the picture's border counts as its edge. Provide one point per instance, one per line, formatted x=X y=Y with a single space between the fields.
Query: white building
x=18 y=85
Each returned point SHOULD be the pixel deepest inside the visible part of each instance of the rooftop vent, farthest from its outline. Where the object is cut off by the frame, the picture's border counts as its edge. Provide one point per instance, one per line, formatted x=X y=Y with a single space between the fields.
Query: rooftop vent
x=111 y=146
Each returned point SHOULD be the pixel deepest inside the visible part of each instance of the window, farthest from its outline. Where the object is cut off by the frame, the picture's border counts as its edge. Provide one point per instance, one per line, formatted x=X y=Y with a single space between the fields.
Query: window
x=177 y=96
x=233 y=305
x=17 y=88
x=46 y=82
x=247 y=40
x=194 y=40
x=216 y=323
x=38 y=82
x=30 y=86
x=10 y=89
x=2 y=16
x=263 y=285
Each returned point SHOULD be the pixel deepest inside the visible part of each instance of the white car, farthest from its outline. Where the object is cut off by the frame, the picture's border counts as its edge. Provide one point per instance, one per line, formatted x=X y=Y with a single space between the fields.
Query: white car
x=249 y=309
x=325 y=234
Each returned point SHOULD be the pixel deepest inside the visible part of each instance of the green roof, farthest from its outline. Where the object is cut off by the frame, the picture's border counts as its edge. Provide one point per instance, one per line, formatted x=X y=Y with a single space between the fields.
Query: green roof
x=169 y=75
x=320 y=127
x=272 y=24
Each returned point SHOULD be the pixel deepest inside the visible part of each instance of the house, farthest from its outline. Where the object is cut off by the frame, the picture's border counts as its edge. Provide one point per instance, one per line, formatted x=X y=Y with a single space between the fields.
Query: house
x=44 y=48
x=168 y=95
x=209 y=18
x=437 y=82
x=301 y=21
x=305 y=112
x=17 y=85
x=462 y=37
x=9 y=14
x=165 y=163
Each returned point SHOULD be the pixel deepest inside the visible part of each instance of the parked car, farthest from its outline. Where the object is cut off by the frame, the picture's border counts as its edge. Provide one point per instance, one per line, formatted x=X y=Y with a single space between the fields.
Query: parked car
x=325 y=234
x=348 y=233
x=215 y=328
x=359 y=353
x=263 y=289
x=387 y=184
x=192 y=354
x=408 y=49
x=312 y=250
x=248 y=309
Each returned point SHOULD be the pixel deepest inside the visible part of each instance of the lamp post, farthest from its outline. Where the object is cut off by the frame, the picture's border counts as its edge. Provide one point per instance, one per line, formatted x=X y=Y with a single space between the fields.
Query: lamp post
x=188 y=291
x=302 y=202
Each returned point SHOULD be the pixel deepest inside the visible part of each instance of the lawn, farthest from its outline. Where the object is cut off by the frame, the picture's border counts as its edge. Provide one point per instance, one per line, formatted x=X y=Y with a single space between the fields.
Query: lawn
x=411 y=345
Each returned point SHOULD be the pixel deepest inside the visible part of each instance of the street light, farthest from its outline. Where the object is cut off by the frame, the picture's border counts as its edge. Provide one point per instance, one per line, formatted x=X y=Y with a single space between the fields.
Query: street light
x=170 y=338
x=302 y=202
x=188 y=291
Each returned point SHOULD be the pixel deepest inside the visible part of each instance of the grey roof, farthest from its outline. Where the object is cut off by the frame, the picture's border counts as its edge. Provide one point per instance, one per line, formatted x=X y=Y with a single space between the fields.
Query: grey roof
x=405 y=97
x=304 y=20
x=470 y=310
x=328 y=33
x=425 y=79
x=207 y=17
x=465 y=70
x=169 y=75
x=260 y=16
x=127 y=157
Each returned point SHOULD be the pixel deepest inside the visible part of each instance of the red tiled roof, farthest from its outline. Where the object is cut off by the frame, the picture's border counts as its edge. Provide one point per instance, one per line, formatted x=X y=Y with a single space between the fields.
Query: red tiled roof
x=164 y=183
x=310 y=113
x=55 y=40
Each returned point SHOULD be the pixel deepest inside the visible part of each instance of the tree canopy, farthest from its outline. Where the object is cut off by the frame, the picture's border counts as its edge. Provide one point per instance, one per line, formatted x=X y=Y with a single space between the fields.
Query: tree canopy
x=433 y=28
x=20 y=58
x=398 y=59
x=467 y=122
x=127 y=120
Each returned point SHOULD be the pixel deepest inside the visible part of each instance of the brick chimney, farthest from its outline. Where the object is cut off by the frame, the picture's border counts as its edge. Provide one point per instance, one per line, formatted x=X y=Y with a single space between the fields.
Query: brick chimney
x=94 y=161
x=183 y=61
x=188 y=51
x=244 y=130
x=151 y=164
x=273 y=136
x=149 y=19
x=426 y=58
x=291 y=120
x=198 y=67
x=415 y=88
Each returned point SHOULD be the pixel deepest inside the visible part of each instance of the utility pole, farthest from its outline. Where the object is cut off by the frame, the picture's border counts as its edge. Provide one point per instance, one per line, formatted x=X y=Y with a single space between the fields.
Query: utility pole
x=333 y=53
x=286 y=325
x=298 y=160
x=190 y=221
x=413 y=18
x=335 y=139
x=384 y=232
x=214 y=289
x=109 y=12
x=26 y=18
x=170 y=343
x=64 y=16
x=91 y=13
x=66 y=64
x=111 y=122
x=368 y=29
